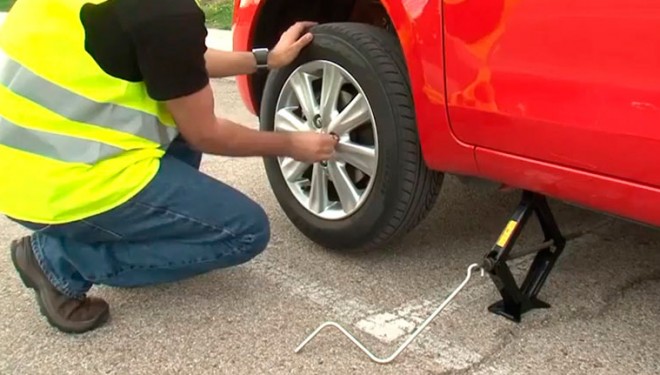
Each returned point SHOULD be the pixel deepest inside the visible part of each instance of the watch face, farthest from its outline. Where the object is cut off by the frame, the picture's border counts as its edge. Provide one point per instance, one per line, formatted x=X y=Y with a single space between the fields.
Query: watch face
x=261 y=56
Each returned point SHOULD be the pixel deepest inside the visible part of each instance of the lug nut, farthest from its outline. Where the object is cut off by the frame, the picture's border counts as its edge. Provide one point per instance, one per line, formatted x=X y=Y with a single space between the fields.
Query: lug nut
x=317 y=122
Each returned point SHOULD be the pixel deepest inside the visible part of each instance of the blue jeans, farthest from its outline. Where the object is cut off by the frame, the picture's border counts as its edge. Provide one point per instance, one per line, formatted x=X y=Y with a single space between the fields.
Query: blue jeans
x=183 y=224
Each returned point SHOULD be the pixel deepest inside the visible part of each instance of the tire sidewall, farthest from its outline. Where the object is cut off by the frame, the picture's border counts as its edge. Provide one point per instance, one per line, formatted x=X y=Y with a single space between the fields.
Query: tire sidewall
x=359 y=228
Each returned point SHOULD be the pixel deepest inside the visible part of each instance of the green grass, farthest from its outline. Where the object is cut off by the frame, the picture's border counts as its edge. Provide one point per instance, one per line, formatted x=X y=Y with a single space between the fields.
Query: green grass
x=5 y=5
x=219 y=13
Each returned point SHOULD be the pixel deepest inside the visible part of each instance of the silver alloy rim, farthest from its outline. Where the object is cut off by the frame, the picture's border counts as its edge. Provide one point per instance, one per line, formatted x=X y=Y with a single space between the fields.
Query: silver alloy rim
x=322 y=96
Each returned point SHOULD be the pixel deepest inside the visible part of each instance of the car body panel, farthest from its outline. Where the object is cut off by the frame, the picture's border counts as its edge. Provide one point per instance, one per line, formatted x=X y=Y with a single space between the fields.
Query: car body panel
x=635 y=202
x=416 y=25
x=569 y=83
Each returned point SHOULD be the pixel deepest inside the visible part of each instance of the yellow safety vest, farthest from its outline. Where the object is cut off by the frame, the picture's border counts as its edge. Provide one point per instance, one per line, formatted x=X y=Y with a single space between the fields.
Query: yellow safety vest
x=74 y=141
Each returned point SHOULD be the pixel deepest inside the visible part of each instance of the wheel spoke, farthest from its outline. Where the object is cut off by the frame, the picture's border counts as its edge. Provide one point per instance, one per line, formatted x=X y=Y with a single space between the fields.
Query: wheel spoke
x=286 y=120
x=293 y=169
x=332 y=83
x=302 y=86
x=318 y=195
x=348 y=194
x=356 y=113
x=361 y=157
x=322 y=96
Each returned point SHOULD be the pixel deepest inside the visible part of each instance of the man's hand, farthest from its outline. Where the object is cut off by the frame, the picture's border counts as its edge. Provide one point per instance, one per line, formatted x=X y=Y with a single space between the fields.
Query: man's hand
x=312 y=147
x=291 y=43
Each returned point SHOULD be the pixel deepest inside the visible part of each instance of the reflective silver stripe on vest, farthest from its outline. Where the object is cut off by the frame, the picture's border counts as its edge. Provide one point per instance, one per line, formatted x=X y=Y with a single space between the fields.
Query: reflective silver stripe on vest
x=55 y=146
x=74 y=107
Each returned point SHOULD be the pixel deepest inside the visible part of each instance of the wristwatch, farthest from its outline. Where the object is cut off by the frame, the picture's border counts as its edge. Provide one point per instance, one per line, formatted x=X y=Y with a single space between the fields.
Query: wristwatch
x=261 y=55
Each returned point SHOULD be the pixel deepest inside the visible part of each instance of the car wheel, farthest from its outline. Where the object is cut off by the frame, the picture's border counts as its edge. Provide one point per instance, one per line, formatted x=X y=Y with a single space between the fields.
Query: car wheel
x=351 y=81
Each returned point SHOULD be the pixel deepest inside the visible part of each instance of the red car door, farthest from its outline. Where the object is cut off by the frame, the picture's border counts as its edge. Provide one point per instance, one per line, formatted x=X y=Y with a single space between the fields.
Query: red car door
x=571 y=82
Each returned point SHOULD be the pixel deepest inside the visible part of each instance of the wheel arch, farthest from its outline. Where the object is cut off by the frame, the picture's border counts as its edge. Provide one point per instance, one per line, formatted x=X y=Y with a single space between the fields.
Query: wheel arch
x=259 y=23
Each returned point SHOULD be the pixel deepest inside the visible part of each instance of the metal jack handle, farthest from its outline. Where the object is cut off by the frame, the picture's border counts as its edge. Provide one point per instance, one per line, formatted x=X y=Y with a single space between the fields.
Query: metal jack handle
x=389 y=359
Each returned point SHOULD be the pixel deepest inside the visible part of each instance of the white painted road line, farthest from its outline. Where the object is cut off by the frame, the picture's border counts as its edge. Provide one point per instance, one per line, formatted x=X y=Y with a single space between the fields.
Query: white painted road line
x=353 y=312
x=390 y=326
x=386 y=327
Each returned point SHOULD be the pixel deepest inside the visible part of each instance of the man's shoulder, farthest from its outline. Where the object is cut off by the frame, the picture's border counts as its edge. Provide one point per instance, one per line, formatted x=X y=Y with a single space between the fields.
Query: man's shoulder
x=140 y=13
x=169 y=40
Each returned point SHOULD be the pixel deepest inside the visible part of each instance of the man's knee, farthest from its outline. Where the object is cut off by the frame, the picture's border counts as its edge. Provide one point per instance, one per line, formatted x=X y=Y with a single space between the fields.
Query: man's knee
x=262 y=234
x=256 y=235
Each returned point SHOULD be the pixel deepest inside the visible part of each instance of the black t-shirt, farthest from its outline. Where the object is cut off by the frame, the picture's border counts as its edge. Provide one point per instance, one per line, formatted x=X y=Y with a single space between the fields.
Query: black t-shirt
x=158 y=42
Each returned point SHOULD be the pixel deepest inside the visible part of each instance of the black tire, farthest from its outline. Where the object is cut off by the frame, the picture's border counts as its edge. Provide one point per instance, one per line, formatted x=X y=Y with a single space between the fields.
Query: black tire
x=405 y=189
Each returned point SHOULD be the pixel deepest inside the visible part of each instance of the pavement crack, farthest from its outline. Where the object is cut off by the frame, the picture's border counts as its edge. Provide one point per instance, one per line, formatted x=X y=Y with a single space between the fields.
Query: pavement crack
x=508 y=336
x=613 y=298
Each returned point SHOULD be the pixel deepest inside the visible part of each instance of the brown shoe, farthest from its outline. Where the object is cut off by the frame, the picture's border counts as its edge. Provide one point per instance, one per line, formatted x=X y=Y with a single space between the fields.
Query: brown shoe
x=65 y=313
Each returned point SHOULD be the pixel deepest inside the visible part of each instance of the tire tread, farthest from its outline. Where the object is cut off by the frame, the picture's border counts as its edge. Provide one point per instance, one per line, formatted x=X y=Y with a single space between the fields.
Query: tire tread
x=422 y=186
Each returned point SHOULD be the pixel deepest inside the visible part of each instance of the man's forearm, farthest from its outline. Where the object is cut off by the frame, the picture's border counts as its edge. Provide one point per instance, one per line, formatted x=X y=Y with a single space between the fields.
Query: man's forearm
x=228 y=64
x=231 y=139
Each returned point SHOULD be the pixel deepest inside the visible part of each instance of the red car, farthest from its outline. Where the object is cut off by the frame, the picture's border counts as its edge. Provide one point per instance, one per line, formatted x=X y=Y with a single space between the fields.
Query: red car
x=560 y=98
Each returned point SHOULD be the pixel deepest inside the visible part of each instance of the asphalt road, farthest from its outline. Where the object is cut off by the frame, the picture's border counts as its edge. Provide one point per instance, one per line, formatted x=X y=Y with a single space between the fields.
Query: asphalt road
x=248 y=320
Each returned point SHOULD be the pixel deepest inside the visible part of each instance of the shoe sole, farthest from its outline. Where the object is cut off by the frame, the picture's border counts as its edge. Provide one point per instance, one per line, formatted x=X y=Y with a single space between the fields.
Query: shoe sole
x=101 y=319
